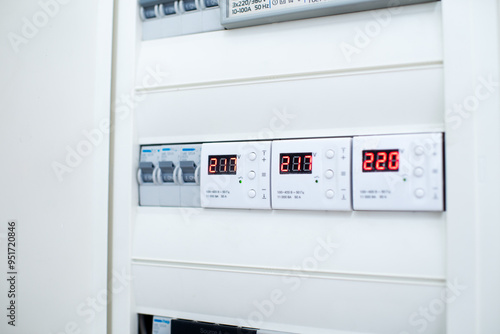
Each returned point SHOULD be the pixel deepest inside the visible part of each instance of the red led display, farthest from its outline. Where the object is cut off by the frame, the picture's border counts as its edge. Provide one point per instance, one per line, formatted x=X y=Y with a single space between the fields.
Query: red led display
x=222 y=164
x=296 y=163
x=381 y=161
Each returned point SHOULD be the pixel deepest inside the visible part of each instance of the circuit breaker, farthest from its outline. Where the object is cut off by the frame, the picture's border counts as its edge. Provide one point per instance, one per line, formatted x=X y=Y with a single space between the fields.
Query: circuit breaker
x=168 y=175
x=149 y=191
x=188 y=175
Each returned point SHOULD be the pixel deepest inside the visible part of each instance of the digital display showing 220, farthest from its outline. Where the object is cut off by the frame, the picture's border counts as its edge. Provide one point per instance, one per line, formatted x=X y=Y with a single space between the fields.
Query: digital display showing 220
x=380 y=161
x=296 y=163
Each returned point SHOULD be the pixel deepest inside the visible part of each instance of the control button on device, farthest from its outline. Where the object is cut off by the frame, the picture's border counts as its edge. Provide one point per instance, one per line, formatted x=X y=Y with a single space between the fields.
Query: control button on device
x=252 y=193
x=419 y=193
x=252 y=156
x=329 y=174
x=251 y=175
x=419 y=150
x=330 y=154
x=418 y=171
x=329 y=193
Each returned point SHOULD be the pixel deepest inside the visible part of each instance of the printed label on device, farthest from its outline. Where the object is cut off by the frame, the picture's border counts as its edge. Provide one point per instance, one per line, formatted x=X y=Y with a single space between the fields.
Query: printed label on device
x=246 y=7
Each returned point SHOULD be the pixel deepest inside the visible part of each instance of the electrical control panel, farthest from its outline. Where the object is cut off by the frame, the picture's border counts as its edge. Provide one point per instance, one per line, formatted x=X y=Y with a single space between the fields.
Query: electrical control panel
x=168 y=175
x=236 y=175
x=389 y=172
x=311 y=174
x=398 y=172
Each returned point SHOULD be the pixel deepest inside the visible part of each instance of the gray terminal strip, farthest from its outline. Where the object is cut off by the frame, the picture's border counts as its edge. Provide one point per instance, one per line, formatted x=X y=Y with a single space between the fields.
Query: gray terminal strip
x=188 y=170
x=167 y=171
x=163 y=325
x=147 y=169
x=167 y=18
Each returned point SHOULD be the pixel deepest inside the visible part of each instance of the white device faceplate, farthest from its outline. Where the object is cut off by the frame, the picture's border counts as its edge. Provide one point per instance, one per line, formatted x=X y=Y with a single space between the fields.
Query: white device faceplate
x=416 y=186
x=328 y=187
x=249 y=188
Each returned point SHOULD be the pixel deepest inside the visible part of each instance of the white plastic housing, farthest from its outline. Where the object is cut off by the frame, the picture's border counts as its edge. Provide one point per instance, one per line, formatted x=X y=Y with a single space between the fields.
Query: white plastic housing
x=249 y=187
x=327 y=187
x=416 y=186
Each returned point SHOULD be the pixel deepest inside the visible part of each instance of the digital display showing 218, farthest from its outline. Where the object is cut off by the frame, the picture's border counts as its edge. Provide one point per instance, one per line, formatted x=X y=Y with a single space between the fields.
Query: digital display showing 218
x=296 y=163
x=380 y=161
x=222 y=164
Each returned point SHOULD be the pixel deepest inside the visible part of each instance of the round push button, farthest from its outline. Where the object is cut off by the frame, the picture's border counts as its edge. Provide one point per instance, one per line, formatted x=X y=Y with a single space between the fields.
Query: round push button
x=329 y=174
x=252 y=193
x=252 y=156
x=419 y=193
x=251 y=175
x=419 y=150
x=419 y=171
x=329 y=193
x=330 y=154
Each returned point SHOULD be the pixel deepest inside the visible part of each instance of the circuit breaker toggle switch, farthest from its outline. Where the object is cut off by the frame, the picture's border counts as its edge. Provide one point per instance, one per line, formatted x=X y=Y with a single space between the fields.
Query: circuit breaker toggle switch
x=211 y=3
x=169 y=8
x=188 y=169
x=149 y=12
x=189 y=5
x=167 y=171
x=146 y=172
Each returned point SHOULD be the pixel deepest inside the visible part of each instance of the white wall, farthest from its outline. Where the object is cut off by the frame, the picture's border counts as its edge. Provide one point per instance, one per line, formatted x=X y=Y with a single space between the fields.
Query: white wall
x=55 y=85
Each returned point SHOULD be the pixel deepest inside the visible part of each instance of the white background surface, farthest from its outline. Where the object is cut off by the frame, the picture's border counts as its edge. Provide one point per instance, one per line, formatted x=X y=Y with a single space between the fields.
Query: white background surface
x=53 y=89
